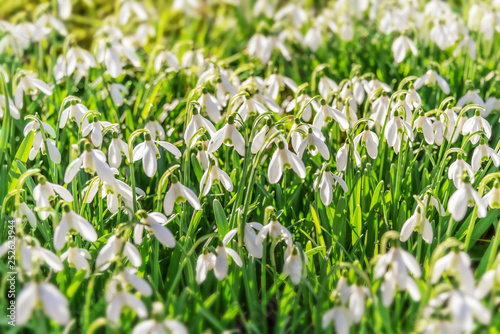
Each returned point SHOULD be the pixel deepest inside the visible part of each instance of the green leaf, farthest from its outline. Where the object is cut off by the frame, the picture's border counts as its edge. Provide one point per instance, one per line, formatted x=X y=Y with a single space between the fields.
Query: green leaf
x=220 y=218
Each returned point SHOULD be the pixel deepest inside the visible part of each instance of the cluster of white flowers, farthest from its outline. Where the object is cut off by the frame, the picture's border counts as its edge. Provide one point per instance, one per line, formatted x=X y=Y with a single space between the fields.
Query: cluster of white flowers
x=268 y=116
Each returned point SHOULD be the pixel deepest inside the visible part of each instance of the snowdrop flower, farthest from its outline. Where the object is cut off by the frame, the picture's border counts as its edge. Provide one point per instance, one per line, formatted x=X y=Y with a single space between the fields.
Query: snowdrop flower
x=148 y=152
x=325 y=185
x=326 y=86
x=343 y=155
x=372 y=85
x=277 y=82
x=250 y=239
x=210 y=104
x=413 y=98
x=39 y=144
x=487 y=282
x=45 y=192
x=423 y=124
x=342 y=317
x=159 y=326
x=293 y=265
x=45 y=25
x=451 y=118
x=394 y=266
x=177 y=194
x=400 y=47
x=197 y=122
x=326 y=114
x=492 y=103
x=128 y=276
x=127 y=8
x=282 y=159
x=456 y=264
x=357 y=301
x=407 y=108
x=29 y=84
x=79 y=59
x=121 y=299
x=314 y=38
x=113 y=248
x=46 y=296
x=110 y=52
x=116 y=149
x=349 y=110
x=92 y=161
x=466 y=196
x=261 y=47
x=475 y=124
x=155 y=128
x=32 y=254
x=343 y=288
x=276 y=231
x=96 y=127
x=268 y=131
x=417 y=222
x=154 y=222
x=379 y=111
x=74 y=113
x=314 y=144
x=116 y=91
x=492 y=198
x=442 y=326
x=78 y=258
x=439 y=130
x=229 y=136
x=294 y=13
x=472 y=96
x=64 y=8
x=72 y=223
x=457 y=169
x=431 y=78
x=368 y=139
x=205 y=263
x=24 y=213
x=395 y=130
x=221 y=265
x=13 y=111
x=247 y=106
x=169 y=58
x=302 y=101
x=483 y=153
x=214 y=175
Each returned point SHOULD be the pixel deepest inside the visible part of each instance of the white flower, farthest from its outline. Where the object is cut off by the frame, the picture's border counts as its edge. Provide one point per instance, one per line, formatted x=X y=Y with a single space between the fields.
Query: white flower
x=342 y=317
x=379 y=111
x=418 y=222
x=116 y=149
x=46 y=295
x=472 y=96
x=326 y=86
x=276 y=231
x=326 y=114
x=277 y=82
x=13 y=111
x=487 y=282
x=38 y=142
x=325 y=185
x=475 y=124
x=210 y=104
x=314 y=144
x=456 y=264
x=247 y=106
x=394 y=266
x=24 y=213
x=357 y=301
x=169 y=57
x=343 y=155
x=45 y=192
x=197 y=122
x=205 y=263
x=250 y=239
x=155 y=128
x=438 y=128
x=160 y=327
x=466 y=196
x=431 y=78
x=72 y=223
x=78 y=258
x=492 y=198
x=121 y=299
x=450 y=118
x=492 y=103
x=74 y=113
x=148 y=152
x=423 y=124
x=229 y=136
x=302 y=101
x=395 y=130
x=128 y=7
x=282 y=159
x=97 y=127
x=154 y=222
x=177 y=194
x=413 y=98
x=29 y=84
x=369 y=139
x=113 y=248
x=110 y=52
x=400 y=47
x=267 y=131
x=64 y=7
x=293 y=265
x=221 y=265
x=116 y=91
x=483 y=153
x=92 y=161
x=79 y=59
x=214 y=175
x=33 y=254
